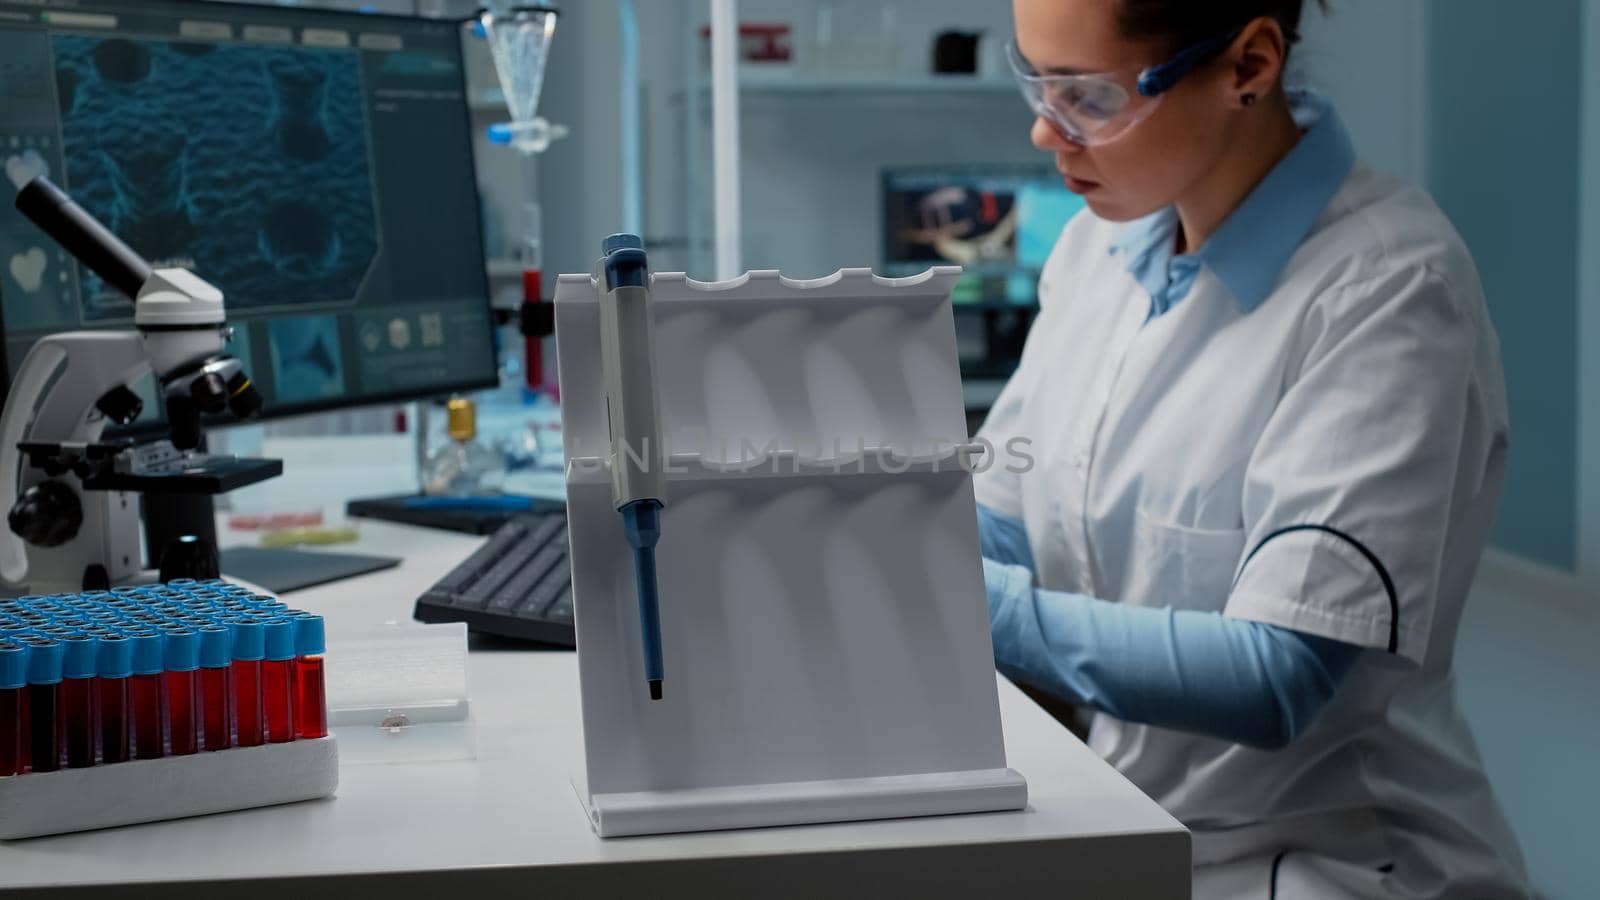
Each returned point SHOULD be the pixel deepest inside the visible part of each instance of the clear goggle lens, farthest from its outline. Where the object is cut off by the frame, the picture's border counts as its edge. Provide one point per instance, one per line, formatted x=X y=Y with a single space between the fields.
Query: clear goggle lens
x=1085 y=109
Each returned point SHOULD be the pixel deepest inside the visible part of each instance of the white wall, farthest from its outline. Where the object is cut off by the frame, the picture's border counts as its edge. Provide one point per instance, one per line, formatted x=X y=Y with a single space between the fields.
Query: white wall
x=1369 y=57
x=581 y=176
x=1526 y=668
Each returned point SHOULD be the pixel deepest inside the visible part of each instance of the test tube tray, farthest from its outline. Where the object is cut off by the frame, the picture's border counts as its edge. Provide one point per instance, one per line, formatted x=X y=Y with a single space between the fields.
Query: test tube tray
x=173 y=787
x=822 y=617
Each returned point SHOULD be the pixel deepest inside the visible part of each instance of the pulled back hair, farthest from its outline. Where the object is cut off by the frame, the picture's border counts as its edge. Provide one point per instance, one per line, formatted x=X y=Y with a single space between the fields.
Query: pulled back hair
x=1183 y=23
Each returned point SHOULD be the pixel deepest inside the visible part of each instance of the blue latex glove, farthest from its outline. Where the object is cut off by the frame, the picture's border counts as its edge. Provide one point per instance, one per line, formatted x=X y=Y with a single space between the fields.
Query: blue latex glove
x=1003 y=539
x=1233 y=679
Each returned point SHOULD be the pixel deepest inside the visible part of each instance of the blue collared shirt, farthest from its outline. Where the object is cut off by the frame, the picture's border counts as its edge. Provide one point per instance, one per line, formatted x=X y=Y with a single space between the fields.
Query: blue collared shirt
x=1255 y=243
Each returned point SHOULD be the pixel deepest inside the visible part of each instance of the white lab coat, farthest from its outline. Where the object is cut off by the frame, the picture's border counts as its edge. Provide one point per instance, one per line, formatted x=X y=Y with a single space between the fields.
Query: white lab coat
x=1329 y=461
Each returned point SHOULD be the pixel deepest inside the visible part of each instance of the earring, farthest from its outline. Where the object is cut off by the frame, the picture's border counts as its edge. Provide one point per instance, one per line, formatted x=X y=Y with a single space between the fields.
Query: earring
x=1248 y=99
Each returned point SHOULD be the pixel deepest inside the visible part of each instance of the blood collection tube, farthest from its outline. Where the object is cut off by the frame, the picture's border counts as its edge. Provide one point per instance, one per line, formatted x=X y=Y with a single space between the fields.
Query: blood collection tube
x=146 y=696
x=310 y=686
x=13 y=686
x=182 y=656
x=277 y=680
x=79 y=662
x=113 y=667
x=216 y=687
x=44 y=703
x=248 y=649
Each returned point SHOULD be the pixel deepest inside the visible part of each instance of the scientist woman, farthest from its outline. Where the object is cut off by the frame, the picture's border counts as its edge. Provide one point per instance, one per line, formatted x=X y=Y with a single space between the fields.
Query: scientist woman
x=1266 y=422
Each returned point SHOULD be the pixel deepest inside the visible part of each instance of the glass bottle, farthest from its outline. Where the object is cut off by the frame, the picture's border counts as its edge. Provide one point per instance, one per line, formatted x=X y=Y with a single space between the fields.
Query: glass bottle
x=465 y=466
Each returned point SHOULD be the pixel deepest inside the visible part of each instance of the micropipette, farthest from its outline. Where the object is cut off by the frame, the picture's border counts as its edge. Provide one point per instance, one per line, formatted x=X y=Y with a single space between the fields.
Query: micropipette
x=638 y=490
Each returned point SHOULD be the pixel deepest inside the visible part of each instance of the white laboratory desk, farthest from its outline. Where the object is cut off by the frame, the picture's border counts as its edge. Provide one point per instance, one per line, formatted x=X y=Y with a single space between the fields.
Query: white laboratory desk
x=510 y=821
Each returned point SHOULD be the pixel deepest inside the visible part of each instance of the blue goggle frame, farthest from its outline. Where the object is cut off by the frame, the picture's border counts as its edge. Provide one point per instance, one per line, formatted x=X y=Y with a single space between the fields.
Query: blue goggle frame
x=1157 y=80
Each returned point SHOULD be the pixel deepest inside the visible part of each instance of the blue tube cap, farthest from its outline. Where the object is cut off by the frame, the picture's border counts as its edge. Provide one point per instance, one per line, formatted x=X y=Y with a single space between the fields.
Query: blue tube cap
x=216 y=647
x=148 y=649
x=182 y=649
x=249 y=642
x=279 y=636
x=13 y=665
x=80 y=655
x=621 y=241
x=115 y=657
x=310 y=635
x=44 y=660
x=625 y=262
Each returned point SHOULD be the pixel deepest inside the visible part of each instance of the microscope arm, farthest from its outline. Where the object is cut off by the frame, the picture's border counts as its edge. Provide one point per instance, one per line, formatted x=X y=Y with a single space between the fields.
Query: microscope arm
x=53 y=399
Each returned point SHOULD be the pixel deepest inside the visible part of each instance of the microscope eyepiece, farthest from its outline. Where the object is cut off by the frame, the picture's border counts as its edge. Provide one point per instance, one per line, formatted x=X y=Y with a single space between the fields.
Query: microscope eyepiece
x=80 y=234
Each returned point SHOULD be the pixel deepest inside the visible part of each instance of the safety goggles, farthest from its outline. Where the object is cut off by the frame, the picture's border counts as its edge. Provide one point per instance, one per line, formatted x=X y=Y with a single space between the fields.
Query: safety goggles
x=1095 y=108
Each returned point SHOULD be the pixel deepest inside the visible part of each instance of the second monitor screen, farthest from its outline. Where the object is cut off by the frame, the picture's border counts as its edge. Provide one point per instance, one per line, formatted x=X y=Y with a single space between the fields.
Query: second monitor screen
x=325 y=185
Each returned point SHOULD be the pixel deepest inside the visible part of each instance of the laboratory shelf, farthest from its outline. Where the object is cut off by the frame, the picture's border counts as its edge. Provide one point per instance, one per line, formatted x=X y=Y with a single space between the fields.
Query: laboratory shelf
x=803 y=84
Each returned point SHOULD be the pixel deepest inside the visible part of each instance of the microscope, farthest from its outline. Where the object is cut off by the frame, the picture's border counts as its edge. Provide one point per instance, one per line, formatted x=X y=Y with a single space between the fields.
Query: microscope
x=73 y=500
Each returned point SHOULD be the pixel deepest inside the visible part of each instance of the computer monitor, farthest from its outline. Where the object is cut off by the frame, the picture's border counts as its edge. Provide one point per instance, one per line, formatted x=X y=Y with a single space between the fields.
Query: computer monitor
x=997 y=221
x=315 y=166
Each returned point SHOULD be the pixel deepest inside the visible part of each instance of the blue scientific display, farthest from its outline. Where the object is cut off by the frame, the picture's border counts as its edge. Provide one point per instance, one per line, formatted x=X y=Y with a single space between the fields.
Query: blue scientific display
x=281 y=123
x=316 y=166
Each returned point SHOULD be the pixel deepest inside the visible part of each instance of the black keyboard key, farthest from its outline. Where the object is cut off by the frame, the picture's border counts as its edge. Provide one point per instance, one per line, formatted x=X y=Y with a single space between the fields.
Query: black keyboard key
x=562 y=610
x=548 y=590
x=482 y=592
x=515 y=592
x=518 y=584
x=482 y=558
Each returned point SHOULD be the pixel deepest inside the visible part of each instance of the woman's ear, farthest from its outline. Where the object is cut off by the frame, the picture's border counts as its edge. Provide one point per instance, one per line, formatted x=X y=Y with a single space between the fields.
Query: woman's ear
x=1256 y=60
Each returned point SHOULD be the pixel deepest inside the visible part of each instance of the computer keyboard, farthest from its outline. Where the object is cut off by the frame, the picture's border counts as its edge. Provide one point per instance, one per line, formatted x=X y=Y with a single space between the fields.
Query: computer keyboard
x=516 y=585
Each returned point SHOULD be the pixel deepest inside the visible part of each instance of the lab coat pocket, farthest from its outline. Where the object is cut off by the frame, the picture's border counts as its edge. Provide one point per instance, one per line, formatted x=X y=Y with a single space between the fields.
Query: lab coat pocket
x=1181 y=567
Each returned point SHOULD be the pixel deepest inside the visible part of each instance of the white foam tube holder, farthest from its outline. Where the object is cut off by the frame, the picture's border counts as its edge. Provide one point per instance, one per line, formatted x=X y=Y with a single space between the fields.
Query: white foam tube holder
x=173 y=787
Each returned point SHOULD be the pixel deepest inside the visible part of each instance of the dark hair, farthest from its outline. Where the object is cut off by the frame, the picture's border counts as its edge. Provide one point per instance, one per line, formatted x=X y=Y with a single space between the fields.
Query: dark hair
x=1183 y=23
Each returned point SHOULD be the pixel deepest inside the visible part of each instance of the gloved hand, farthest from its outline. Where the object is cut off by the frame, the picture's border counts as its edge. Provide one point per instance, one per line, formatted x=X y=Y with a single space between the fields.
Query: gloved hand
x=1003 y=538
x=1202 y=672
x=1005 y=585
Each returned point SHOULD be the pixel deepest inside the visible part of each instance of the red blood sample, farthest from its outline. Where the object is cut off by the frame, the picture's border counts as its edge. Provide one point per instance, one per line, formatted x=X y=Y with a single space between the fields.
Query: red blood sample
x=77 y=713
x=77 y=699
x=182 y=655
x=114 y=667
x=146 y=694
x=311 y=698
x=249 y=646
x=25 y=739
x=44 y=704
x=183 y=728
x=216 y=701
x=277 y=679
x=277 y=699
x=10 y=731
x=13 y=687
x=216 y=687
x=113 y=720
x=44 y=709
x=247 y=702
x=149 y=712
x=310 y=692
